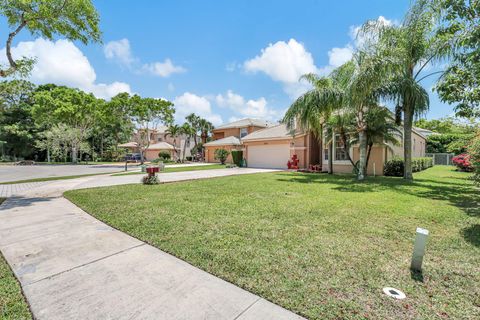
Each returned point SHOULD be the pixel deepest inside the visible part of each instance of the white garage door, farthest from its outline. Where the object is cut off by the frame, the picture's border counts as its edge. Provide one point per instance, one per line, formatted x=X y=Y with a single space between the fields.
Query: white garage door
x=273 y=156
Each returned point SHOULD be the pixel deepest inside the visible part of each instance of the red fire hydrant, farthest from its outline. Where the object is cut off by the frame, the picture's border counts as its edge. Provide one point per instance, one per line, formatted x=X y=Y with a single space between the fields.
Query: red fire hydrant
x=293 y=163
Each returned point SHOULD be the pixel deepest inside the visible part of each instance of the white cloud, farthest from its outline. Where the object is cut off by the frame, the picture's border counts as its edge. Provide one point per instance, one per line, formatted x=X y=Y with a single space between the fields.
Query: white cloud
x=191 y=103
x=246 y=108
x=283 y=61
x=163 y=69
x=120 y=51
x=62 y=63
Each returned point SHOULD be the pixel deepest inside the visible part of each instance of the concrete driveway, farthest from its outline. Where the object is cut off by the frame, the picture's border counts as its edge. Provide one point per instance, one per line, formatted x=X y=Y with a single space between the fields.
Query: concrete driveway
x=72 y=266
x=14 y=173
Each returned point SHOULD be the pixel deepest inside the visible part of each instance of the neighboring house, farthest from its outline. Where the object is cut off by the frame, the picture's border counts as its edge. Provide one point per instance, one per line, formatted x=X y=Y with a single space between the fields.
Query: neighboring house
x=228 y=136
x=425 y=132
x=160 y=140
x=273 y=146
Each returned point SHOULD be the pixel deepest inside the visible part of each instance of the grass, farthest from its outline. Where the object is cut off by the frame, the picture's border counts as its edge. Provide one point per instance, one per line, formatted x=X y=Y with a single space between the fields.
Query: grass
x=54 y=178
x=178 y=169
x=12 y=302
x=322 y=246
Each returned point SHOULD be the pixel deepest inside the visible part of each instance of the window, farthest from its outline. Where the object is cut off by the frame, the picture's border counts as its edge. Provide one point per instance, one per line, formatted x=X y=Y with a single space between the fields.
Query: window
x=243 y=132
x=325 y=154
x=340 y=152
x=159 y=139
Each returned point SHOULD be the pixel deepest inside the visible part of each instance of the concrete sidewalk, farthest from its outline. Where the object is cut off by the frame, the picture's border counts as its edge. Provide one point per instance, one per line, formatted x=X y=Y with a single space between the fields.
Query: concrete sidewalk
x=72 y=266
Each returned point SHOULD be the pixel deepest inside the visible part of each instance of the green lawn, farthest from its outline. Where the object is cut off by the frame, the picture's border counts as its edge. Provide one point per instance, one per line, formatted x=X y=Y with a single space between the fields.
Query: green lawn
x=322 y=246
x=12 y=302
x=179 y=169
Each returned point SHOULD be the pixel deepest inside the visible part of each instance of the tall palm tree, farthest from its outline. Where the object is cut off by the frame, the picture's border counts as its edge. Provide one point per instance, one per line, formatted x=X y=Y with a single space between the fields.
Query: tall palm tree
x=174 y=131
x=411 y=47
x=189 y=132
x=194 y=122
x=205 y=128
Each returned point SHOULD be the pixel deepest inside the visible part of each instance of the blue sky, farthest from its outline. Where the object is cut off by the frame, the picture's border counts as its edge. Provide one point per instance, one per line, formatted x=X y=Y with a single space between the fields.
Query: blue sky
x=224 y=60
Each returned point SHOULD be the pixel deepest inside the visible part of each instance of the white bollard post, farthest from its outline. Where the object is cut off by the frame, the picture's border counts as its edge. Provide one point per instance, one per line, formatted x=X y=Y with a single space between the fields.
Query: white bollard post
x=419 y=249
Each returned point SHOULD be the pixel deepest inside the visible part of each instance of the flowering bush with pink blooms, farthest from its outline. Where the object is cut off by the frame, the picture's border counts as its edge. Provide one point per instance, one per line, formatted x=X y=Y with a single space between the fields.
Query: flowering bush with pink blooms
x=463 y=162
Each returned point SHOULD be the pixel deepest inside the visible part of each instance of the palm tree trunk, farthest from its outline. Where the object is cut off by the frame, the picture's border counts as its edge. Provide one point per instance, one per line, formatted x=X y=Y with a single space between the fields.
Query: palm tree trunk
x=362 y=138
x=407 y=142
x=369 y=151
x=330 y=156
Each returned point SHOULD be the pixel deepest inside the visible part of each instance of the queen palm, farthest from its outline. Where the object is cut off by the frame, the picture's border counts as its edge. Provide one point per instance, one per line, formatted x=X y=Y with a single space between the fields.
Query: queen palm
x=410 y=47
x=189 y=132
x=174 y=131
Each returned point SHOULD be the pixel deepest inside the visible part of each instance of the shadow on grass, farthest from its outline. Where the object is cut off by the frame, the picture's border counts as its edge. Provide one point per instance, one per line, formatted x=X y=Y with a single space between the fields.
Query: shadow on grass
x=472 y=234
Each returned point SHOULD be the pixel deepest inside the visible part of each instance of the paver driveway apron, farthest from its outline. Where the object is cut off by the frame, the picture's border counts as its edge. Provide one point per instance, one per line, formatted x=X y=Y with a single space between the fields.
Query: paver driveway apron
x=72 y=266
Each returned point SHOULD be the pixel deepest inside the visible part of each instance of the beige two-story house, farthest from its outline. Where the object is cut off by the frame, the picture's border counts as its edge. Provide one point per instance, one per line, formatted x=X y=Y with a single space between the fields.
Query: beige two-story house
x=228 y=136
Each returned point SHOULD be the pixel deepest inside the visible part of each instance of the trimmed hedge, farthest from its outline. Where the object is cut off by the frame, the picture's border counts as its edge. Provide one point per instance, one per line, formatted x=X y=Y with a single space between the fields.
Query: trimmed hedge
x=395 y=167
x=237 y=156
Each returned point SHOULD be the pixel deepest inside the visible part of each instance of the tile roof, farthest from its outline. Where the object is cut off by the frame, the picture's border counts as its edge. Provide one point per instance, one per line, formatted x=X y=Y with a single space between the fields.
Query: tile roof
x=277 y=132
x=228 y=141
x=245 y=123
x=161 y=146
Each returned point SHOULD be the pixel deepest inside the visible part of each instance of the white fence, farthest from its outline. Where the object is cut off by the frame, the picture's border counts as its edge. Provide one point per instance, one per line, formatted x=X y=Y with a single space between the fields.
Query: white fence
x=441 y=158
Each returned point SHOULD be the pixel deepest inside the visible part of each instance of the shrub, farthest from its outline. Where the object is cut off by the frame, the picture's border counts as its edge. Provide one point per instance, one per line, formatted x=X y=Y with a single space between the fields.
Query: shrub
x=150 y=179
x=221 y=154
x=463 y=162
x=237 y=156
x=164 y=155
x=189 y=158
x=395 y=167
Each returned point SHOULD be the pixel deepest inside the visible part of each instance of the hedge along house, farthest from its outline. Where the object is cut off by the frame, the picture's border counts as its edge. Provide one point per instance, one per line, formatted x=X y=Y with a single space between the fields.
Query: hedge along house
x=228 y=136
x=273 y=147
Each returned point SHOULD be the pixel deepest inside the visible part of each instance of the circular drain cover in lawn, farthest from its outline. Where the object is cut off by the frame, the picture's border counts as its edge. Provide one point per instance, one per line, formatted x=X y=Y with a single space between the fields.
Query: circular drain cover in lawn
x=394 y=293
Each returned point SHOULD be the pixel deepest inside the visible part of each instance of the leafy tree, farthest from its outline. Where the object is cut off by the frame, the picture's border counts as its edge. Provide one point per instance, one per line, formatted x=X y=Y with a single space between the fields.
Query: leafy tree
x=144 y=112
x=74 y=19
x=409 y=47
x=448 y=143
x=446 y=125
x=460 y=27
x=72 y=107
x=17 y=128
